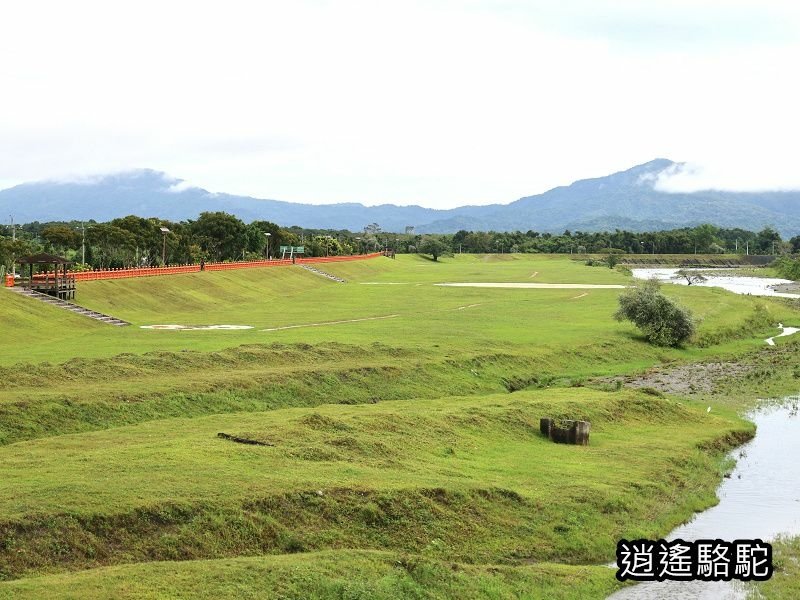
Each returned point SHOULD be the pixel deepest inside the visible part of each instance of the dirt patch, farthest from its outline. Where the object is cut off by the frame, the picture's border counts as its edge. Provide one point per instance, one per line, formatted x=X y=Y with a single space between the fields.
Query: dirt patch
x=197 y=327
x=467 y=306
x=787 y=288
x=330 y=323
x=242 y=440
x=696 y=378
x=538 y=286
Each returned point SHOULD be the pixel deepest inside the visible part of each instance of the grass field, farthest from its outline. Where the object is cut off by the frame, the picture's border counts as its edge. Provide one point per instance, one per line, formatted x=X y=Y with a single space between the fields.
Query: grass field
x=397 y=461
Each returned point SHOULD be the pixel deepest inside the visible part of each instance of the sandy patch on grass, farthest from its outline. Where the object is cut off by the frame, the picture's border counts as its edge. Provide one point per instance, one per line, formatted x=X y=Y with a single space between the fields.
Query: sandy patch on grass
x=538 y=286
x=467 y=306
x=583 y=295
x=330 y=323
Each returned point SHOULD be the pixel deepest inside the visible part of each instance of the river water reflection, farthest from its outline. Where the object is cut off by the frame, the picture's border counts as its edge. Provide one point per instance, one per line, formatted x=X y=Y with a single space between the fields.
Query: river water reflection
x=760 y=499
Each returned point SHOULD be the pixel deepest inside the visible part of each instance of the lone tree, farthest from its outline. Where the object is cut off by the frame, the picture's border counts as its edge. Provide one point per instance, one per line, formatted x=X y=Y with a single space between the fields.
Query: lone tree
x=434 y=247
x=691 y=277
x=663 y=322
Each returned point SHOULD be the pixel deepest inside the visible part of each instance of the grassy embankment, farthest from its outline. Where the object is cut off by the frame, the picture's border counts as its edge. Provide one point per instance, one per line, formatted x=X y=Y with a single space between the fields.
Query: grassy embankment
x=505 y=339
x=463 y=479
x=429 y=480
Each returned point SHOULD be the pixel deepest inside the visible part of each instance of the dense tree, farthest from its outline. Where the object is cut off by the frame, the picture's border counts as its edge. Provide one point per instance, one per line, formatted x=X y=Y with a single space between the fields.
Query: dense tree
x=11 y=249
x=767 y=239
x=61 y=238
x=433 y=246
x=115 y=246
x=220 y=235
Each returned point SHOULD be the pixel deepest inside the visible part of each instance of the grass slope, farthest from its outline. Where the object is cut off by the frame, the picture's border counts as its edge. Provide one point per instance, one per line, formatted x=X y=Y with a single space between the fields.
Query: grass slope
x=356 y=575
x=472 y=473
x=505 y=340
x=459 y=319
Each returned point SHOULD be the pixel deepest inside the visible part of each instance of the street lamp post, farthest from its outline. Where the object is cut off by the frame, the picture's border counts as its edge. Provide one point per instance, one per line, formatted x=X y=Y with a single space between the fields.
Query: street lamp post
x=164 y=232
x=268 y=236
x=13 y=239
x=358 y=239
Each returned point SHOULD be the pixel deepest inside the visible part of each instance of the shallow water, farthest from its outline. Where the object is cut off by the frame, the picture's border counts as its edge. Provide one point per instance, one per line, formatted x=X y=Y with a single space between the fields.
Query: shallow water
x=760 y=499
x=753 y=286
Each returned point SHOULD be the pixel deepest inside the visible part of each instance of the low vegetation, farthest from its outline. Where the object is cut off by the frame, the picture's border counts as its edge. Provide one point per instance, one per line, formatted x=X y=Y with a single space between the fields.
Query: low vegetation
x=662 y=320
x=785 y=582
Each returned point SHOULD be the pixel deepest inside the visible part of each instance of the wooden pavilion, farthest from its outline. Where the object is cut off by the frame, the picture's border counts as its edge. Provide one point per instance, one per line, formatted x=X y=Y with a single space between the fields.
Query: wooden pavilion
x=48 y=274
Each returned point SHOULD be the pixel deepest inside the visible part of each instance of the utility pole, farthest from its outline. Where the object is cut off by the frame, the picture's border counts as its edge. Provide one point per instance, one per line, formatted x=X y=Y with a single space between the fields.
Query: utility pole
x=164 y=232
x=13 y=239
x=83 y=243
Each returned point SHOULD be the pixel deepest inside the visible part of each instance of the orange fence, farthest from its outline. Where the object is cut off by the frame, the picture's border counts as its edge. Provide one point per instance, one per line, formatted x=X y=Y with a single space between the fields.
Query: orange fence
x=175 y=270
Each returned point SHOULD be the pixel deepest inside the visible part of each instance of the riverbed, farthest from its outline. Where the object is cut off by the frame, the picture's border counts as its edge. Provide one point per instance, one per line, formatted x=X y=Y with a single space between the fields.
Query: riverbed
x=759 y=499
x=738 y=284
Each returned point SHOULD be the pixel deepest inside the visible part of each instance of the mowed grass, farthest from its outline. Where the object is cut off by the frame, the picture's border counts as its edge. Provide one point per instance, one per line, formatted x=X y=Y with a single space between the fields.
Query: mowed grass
x=462 y=320
x=396 y=462
x=468 y=479
x=442 y=341
x=367 y=575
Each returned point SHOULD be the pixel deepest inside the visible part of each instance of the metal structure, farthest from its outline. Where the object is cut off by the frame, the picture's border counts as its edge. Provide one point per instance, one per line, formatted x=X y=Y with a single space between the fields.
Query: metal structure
x=292 y=251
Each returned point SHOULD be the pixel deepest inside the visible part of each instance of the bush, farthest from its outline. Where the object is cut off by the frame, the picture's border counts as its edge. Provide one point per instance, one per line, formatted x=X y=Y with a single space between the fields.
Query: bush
x=663 y=322
x=788 y=267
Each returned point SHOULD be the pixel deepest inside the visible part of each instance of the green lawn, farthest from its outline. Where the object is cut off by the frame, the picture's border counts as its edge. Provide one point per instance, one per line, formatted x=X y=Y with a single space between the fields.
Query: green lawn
x=390 y=442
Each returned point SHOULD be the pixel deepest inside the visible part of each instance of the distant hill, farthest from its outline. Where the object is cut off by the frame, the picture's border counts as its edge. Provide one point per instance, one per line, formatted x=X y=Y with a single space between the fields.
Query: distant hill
x=624 y=200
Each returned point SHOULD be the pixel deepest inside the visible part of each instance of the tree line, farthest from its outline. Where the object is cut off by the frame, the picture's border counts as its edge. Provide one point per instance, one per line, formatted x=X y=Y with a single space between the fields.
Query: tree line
x=218 y=236
x=137 y=241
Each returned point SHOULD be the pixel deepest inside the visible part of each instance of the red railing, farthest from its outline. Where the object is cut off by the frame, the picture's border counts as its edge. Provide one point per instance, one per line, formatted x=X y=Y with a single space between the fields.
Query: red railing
x=178 y=269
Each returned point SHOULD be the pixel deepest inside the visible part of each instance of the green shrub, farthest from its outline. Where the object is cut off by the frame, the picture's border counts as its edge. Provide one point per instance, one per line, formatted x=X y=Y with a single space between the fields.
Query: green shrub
x=663 y=322
x=788 y=268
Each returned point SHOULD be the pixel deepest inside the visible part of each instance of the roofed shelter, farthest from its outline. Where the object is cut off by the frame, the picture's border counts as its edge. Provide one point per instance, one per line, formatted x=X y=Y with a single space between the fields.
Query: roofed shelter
x=48 y=274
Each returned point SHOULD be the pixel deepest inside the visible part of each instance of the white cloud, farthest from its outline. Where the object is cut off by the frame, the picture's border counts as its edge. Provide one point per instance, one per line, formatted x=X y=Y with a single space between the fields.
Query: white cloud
x=433 y=103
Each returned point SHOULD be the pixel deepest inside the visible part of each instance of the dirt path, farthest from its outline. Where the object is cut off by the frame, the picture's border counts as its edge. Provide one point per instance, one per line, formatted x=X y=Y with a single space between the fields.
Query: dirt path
x=330 y=323
x=538 y=286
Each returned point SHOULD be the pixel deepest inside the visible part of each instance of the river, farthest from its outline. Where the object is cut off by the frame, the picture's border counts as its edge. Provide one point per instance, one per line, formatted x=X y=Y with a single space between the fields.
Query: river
x=760 y=499
x=753 y=286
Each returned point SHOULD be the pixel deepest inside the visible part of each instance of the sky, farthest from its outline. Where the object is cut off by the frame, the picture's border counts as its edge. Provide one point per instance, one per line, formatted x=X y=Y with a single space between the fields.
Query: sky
x=439 y=103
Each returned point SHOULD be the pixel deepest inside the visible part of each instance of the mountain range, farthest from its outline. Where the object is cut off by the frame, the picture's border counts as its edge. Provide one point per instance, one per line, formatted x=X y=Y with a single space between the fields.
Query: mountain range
x=625 y=200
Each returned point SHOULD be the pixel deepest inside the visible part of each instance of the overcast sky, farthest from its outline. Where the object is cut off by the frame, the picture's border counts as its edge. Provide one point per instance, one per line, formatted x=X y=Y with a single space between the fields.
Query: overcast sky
x=438 y=103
